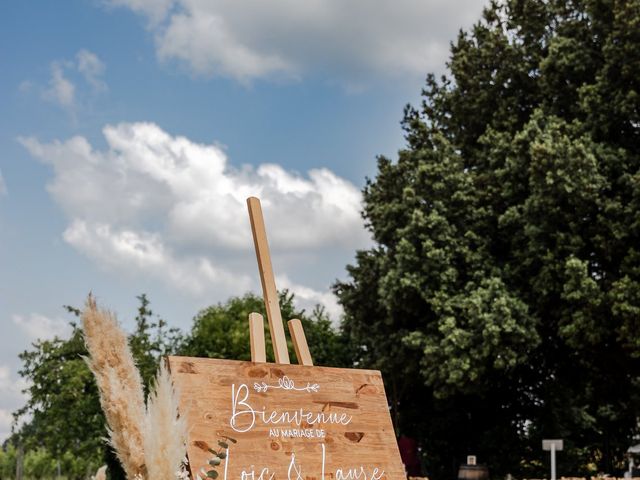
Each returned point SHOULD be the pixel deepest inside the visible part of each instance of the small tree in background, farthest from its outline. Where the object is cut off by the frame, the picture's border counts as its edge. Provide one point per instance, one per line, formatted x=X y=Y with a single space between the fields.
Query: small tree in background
x=64 y=419
x=502 y=298
x=222 y=331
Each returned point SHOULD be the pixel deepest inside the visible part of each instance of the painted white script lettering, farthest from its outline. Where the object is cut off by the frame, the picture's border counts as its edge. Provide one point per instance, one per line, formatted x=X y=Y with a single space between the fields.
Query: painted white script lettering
x=295 y=469
x=358 y=473
x=236 y=402
x=243 y=415
x=294 y=472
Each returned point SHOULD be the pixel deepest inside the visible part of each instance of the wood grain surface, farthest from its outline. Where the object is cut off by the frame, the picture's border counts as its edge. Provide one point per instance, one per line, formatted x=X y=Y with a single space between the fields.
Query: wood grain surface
x=299 y=340
x=291 y=422
x=269 y=291
x=256 y=338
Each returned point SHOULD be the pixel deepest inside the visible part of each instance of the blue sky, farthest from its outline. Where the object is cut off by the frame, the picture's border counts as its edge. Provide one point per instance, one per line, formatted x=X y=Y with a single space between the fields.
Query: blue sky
x=132 y=130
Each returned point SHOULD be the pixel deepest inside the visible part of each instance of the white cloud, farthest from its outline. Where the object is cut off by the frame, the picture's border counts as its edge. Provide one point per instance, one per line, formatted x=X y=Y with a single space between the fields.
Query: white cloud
x=92 y=68
x=347 y=41
x=40 y=327
x=6 y=419
x=308 y=298
x=190 y=188
x=25 y=86
x=11 y=398
x=208 y=46
x=155 y=10
x=63 y=84
x=7 y=384
x=61 y=90
x=3 y=185
x=127 y=250
x=172 y=209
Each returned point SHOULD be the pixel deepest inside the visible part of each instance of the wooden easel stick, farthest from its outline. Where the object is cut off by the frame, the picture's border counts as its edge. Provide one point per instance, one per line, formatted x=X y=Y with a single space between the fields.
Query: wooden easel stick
x=256 y=338
x=269 y=291
x=300 y=342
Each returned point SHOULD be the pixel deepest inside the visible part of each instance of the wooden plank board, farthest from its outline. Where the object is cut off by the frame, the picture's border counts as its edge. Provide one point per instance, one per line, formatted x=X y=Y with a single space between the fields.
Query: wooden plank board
x=289 y=422
x=300 y=342
x=271 y=300
x=256 y=338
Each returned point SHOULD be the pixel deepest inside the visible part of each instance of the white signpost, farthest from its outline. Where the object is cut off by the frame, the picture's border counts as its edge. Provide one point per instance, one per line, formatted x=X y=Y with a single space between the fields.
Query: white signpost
x=553 y=446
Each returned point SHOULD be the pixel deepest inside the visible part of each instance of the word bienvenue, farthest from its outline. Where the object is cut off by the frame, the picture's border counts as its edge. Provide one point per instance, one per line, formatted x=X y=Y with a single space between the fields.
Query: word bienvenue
x=244 y=416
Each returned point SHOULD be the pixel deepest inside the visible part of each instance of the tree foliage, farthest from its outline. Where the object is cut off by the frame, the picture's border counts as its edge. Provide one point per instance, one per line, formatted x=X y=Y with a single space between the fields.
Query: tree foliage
x=62 y=410
x=38 y=464
x=502 y=297
x=222 y=331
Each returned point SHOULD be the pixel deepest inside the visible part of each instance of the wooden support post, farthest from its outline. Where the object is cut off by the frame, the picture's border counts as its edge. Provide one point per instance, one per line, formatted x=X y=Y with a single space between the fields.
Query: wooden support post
x=276 y=328
x=300 y=342
x=256 y=338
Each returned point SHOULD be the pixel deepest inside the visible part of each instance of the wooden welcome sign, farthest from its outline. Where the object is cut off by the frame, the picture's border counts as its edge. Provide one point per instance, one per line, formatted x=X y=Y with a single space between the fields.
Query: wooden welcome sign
x=288 y=421
x=275 y=421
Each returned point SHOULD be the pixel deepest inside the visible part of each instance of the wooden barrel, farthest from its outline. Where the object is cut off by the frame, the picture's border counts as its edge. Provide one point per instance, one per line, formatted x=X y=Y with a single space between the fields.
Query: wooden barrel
x=473 y=472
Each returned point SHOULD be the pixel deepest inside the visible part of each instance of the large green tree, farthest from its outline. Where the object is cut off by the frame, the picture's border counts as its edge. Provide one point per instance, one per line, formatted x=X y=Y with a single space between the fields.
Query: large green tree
x=502 y=297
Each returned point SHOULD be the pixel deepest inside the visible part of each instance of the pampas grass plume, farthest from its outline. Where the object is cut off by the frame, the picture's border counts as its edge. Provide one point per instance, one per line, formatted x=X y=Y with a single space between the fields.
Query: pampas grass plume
x=101 y=474
x=165 y=432
x=120 y=386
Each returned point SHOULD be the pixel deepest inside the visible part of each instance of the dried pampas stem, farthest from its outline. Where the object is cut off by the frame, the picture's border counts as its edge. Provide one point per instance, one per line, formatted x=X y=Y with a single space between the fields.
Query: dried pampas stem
x=120 y=386
x=101 y=474
x=165 y=432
